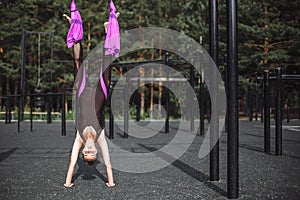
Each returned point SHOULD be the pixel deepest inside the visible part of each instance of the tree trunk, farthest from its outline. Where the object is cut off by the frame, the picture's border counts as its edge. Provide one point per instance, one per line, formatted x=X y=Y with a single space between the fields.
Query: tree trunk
x=89 y=36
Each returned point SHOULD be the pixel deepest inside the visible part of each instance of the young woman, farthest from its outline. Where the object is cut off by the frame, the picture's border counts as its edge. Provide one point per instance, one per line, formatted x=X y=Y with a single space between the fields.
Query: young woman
x=91 y=98
x=90 y=129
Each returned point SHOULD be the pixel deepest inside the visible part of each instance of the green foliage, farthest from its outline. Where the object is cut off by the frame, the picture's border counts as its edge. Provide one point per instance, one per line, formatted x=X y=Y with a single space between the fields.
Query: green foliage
x=268 y=33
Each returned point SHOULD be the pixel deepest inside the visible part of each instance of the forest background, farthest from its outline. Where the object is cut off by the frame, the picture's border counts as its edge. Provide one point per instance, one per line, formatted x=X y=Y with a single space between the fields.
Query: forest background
x=268 y=37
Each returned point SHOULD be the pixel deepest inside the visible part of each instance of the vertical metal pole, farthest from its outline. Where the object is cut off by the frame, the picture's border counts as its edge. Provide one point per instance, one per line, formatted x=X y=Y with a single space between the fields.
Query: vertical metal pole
x=190 y=96
x=9 y=110
x=201 y=106
x=49 y=107
x=19 y=112
x=214 y=123
x=267 y=139
x=232 y=95
x=23 y=69
x=299 y=104
x=167 y=128
x=226 y=86
x=256 y=98
x=138 y=104
x=278 y=125
x=31 y=105
x=6 y=111
x=201 y=91
x=63 y=115
x=51 y=62
x=249 y=102
x=126 y=110
x=49 y=117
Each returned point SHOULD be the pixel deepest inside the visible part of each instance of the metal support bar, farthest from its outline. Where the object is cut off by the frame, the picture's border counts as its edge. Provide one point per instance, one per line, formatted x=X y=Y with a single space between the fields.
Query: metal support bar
x=138 y=104
x=19 y=111
x=232 y=95
x=214 y=122
x=249 y=101
x=190 y=97
x=167 y=97
x=201 y=94
x=22 y=81
x=267 y=139
x=51 y=61
x=299 y=104
x=126 y=110
x=63 y=115
x=31 y=108
x=278 y=125
x=49 y=107
x=7 y=111
x=226 y=86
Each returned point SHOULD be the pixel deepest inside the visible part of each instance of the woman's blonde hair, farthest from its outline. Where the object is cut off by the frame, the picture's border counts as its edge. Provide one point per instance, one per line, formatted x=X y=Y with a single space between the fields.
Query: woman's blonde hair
x=89 y=129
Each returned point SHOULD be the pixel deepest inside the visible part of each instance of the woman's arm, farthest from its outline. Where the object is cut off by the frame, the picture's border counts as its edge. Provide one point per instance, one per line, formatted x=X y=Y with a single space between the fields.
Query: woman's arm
x=74 y=156
x=105 y=154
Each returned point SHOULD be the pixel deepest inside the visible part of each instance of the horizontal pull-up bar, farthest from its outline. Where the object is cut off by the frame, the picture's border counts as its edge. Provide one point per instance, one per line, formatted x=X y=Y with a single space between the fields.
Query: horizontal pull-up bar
x=37 y=32
x=285 y=77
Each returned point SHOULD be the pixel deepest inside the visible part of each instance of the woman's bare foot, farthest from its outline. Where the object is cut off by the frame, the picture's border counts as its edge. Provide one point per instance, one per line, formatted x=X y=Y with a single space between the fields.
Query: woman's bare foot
x=68 y=186
x=105 y=26
x=67 y=17
x=110 y=184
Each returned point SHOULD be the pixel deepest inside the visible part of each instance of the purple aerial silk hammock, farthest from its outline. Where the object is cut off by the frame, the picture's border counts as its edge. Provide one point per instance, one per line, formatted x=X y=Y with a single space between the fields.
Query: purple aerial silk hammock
x=112 y=40
x=111 y=47
x=75 y=33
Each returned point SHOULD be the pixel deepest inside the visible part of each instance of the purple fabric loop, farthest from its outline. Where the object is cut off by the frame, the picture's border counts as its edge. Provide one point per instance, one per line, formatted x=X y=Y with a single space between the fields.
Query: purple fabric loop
x=112 y=39
x=75 y=33
x=73 y=6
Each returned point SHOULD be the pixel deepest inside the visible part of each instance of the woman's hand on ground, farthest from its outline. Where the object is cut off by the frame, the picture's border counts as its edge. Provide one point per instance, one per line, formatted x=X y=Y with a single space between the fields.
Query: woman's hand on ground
x=110 y=184
x=68 y=186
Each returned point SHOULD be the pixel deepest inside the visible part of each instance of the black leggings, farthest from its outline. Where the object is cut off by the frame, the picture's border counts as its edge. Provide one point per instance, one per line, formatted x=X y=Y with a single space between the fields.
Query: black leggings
x=100 y=98
x=77 y=56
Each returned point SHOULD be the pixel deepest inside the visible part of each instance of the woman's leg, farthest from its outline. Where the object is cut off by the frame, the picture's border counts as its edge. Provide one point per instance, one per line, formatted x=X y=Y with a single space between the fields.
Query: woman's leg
x=100 y=96
x=107 y=71
x=100 y=105
x=100 y=100
x=77 y=56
